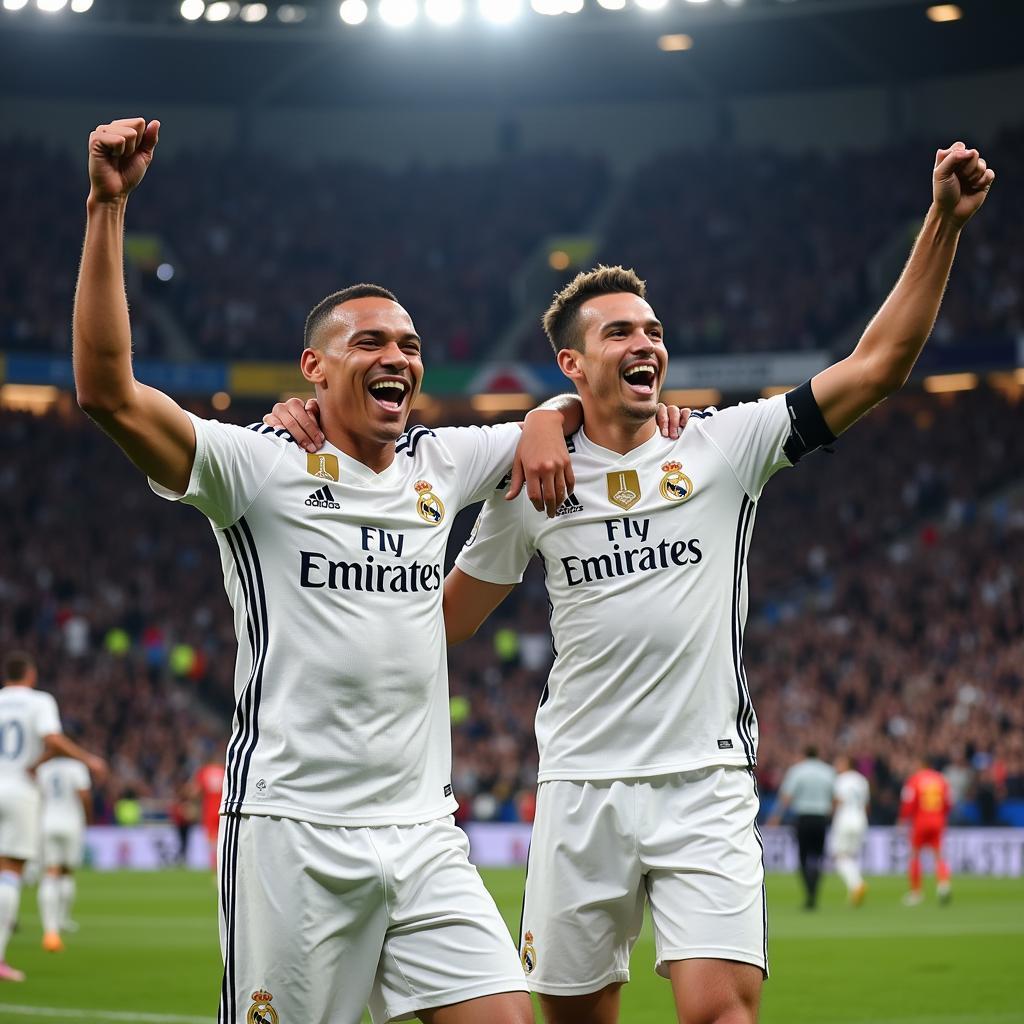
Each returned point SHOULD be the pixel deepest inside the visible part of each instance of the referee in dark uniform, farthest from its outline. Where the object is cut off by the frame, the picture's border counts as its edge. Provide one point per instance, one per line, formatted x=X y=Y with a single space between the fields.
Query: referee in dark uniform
x=807 y=790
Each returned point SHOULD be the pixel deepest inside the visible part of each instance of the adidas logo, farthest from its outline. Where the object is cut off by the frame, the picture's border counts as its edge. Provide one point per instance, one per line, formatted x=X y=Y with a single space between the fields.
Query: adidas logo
x=570 y=505
x=322 y=498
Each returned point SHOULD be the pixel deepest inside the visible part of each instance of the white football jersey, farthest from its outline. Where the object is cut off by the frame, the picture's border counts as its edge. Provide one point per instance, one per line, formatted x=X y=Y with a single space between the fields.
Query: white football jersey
x=335 y=575
x=852 y=794
x=645 y=566
x=60 y=781
x=26 y=716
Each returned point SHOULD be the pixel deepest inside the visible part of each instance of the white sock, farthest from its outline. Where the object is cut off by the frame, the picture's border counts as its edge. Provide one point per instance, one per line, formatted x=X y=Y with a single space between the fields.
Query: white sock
x=66 y=886
x=849 y=872
x=10 y=897
x=49 y=903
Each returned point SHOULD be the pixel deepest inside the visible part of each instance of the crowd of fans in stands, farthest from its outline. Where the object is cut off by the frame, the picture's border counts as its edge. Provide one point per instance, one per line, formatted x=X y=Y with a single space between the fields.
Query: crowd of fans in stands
x=771 y=251
x=887 y=612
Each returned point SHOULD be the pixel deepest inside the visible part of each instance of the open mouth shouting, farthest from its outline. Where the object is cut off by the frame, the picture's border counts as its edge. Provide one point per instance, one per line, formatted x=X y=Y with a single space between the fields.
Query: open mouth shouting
x=389 y=393
x=642 y=377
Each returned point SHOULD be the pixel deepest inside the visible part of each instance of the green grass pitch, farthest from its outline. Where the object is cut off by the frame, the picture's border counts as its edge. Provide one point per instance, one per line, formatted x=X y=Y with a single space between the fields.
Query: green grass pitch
x=147 y=954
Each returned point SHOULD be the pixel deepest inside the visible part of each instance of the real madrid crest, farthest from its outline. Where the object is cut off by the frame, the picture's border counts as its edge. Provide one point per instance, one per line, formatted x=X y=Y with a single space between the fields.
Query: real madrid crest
x=529 y=953
x=675 y=484
x=624 y=488
x=261 y=1012
x=429 y=506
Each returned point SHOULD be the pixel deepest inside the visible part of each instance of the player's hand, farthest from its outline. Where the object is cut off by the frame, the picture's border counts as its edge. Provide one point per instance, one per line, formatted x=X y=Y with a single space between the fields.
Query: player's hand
x=119 y=155
x=960 y=182
x=300 y=419
x=672 y=420
x=98 y=769
x=542 y=462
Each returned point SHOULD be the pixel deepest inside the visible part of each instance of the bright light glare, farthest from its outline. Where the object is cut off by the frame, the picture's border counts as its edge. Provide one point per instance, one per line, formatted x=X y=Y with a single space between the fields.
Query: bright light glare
x=291 y=14
x=674 y=43
x=501 y=12
x=697 y=1
x=14 y=5
x=398 y=13
x=254 y=12
x=80 y=6
x=944 y=12
x=612 y=5
x=353 y=12
x=443 y=12
x=651 y=5
x=572 y=6
x=164 y=272
x=219 y=11
x=549 y=7
x=192 y=10
x=51 y=6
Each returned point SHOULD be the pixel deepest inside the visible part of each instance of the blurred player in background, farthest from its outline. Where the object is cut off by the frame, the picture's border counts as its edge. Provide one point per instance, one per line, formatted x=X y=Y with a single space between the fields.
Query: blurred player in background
x=851 y=796
x=207 y=786
x=67 y=806
x=807 y=790
x=925 y=805
x=30 y=732
x=344 y=880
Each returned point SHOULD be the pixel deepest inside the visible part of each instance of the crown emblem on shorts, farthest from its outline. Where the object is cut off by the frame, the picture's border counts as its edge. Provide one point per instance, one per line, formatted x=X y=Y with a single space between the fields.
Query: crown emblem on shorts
x=260 y=996
x=421 y=486
x=671 y=467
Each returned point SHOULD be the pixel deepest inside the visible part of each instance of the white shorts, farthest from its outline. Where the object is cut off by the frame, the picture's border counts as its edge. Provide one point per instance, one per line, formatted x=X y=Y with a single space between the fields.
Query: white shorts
x=686 y=843
x=19 y=821
x=847 y=837
x=62 y=845
x=330 y=920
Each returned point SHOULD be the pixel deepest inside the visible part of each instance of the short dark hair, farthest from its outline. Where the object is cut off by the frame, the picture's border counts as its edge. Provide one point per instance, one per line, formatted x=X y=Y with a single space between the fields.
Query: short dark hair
x=561 y=320
x=17 y=665
x=810 y=750
x=322 y=310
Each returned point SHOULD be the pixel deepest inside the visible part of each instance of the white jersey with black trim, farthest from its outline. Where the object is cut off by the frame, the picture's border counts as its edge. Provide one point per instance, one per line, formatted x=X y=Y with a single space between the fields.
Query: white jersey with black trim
x=335 y=576
x=26 y=716
x=646 y=573
x=60 y=782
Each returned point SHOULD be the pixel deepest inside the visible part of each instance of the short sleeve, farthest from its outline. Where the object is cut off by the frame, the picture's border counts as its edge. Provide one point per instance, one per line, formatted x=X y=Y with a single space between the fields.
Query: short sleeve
x=482 y=455
x=48 y=717
x=231 y=466
x=498 y=549
x=751 y=437
x=81 y=777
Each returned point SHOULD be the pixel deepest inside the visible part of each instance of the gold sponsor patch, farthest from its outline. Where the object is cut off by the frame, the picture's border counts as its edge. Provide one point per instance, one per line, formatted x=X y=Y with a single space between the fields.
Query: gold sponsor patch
x=261 y=1012
x=675 y=484
x=429 y=506
x=624 y=488
x=323 y=466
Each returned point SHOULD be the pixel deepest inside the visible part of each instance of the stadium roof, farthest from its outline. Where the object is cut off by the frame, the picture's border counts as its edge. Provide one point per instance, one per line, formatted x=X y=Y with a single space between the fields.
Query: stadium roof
x=145 y=51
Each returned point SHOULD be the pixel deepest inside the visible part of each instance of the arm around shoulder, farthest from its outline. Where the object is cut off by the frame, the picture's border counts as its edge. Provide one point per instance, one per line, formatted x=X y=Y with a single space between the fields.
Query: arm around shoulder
x=468 y=602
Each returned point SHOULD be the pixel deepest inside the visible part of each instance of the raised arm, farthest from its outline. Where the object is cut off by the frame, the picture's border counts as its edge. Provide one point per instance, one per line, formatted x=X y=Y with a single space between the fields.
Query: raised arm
x=153 y=430
x=468 y=602
x=888 y=349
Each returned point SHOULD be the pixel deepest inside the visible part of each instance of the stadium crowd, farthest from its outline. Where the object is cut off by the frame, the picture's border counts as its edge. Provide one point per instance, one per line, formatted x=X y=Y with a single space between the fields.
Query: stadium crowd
x=725 y=267
x=887 y=612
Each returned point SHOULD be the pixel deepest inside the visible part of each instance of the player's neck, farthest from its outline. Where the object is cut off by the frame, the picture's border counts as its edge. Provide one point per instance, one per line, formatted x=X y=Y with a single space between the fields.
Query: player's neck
x=375 y=455
x=618 y=435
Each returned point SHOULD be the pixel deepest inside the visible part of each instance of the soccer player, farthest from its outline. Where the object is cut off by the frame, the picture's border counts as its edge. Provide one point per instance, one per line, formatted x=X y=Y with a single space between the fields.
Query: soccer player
x=646 y=732
x=851 y=796
x=30 y=731
x=807 y=789
x=208 y=786
x=67 y=804
x=343 y=879
x=925 y=804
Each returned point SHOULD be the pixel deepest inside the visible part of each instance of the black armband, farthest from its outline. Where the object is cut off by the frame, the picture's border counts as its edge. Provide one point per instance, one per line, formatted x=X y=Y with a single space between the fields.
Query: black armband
x=808 y=429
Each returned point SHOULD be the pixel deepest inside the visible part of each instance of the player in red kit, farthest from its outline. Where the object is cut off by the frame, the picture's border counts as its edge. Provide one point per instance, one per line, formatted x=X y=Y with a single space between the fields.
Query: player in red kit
x=925 y=804
x=208 y=785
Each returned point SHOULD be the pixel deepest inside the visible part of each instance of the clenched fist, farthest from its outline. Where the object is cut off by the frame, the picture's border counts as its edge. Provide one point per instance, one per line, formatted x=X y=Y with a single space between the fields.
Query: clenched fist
x=960 y=182
x=119 y=154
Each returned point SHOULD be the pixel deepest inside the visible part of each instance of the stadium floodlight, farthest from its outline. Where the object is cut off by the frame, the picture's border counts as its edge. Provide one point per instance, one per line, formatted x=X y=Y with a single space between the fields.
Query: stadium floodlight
x=443 y=12
x=291 y=14
x=698 y=1
x=221 y=11
x=675 y=42
x=572 y=6
x=612 y=5
x=500 y=12
x=51 y=6
x=651 y=5
x=14 y=5
x=353 y=12
x=253 y=12
x=548 y=7
x=398 y=13
x=944 y=12
x=80 y=6
x=192 y=10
